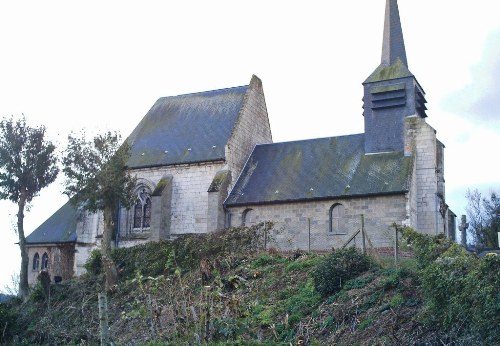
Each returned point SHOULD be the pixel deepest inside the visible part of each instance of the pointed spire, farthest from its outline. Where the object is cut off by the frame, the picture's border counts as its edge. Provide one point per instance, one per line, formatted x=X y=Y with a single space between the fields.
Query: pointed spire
x=393 y=46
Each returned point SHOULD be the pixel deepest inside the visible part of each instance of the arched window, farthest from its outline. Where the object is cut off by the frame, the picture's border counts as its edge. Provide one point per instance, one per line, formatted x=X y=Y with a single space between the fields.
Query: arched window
x=36 y=261
x=248 y=217
x=142 y=209
x=337 y=219
x=45 y=261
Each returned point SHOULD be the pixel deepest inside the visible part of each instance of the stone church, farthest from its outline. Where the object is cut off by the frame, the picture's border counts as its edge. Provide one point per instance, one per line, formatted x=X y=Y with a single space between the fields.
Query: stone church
x=206 y=161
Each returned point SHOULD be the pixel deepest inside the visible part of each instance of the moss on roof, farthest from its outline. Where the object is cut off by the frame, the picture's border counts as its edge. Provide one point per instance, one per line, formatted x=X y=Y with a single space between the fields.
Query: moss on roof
x=387 y=88
x=59 y=228
x=387 y=72
x=219 y=179
x=162 y=184
x=318 y=169
x=186 y=128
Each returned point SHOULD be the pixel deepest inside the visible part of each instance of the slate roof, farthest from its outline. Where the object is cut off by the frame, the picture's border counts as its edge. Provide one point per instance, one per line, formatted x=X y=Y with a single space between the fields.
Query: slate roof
x=59 y=228
x=394 y=63
x=393 y=45
x=319 y=169
x=186 y=128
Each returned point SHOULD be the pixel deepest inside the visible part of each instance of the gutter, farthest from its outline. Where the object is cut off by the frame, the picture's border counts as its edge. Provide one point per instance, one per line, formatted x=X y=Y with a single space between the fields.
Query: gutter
x=343 y=197
x=177 y=164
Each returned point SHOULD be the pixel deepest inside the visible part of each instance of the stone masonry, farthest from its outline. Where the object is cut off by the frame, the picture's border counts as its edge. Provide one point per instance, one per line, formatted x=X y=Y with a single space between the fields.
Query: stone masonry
x=429 y=166
x=251 y=129
x=60 y=261
x=293 y=220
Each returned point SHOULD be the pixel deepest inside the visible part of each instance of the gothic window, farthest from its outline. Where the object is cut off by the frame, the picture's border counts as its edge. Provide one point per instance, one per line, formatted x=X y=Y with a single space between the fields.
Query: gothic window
x=337 y=219
x=36 y=261
x=45 y=261
x=142 y=209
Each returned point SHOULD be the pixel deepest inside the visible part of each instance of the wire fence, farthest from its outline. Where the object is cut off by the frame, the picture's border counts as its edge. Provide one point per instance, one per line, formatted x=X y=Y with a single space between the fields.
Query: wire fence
x=370 y=236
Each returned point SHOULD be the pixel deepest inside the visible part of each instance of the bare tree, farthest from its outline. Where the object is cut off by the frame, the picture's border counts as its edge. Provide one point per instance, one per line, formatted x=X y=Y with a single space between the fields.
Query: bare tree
x=484 y=218
x=12 y=288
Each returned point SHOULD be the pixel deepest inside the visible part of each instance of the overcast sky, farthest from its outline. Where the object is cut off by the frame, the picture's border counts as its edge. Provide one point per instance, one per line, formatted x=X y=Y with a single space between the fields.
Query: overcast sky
x=100 y=65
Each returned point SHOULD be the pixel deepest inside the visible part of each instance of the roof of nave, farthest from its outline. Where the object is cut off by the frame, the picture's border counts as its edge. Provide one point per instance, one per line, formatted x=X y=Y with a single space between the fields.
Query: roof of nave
x=59 y=228
x=323 y=168
x=186 y=128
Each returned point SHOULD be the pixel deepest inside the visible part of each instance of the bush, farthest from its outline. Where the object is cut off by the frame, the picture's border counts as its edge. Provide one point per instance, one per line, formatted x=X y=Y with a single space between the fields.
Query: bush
x=337 y=268
x=484 y=283
x=8 y=322
x=426 y=248
x=185 y=252
x=460 y=289
x=94 y=263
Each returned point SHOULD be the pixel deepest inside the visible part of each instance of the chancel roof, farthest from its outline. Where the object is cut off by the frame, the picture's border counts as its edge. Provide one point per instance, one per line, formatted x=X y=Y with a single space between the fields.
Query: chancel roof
x=315 y=169
x=59 y=228
x=187 y=128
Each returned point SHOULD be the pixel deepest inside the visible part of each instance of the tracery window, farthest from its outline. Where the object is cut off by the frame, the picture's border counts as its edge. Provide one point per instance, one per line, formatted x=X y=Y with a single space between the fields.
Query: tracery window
x=36 y=261
x=45 y=261
x=142 y=209
x=337 y=219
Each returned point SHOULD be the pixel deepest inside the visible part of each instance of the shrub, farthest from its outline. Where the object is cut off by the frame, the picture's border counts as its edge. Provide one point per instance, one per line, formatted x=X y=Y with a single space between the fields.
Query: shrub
x=460 y=289
x=484 y=282
x=8 y=322
x=426 y=248
x=337 y=268
x=94 y=263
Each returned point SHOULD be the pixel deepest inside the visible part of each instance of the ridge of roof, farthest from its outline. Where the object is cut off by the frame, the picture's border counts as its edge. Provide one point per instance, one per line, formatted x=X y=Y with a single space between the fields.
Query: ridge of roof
x=205 y=92
x=310 y=139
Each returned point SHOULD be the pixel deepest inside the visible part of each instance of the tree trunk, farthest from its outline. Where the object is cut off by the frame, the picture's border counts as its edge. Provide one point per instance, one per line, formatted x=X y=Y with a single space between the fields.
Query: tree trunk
x=23 y=275
x=107 y=261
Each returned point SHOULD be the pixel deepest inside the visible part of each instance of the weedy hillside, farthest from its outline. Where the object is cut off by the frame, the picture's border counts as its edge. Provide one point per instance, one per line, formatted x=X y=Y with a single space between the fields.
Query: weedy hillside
x=224 y=289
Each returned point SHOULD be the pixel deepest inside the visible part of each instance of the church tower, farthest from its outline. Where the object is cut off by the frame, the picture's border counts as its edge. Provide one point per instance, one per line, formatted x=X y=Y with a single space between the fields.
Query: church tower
x=395 y=121
x=391 y=92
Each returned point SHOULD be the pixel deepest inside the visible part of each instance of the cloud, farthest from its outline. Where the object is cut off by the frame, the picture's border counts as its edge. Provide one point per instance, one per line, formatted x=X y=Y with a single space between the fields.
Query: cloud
x=479 y=101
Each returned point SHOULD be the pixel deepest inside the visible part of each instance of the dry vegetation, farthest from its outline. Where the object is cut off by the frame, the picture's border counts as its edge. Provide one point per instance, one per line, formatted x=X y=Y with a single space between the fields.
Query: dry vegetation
x=224 y=289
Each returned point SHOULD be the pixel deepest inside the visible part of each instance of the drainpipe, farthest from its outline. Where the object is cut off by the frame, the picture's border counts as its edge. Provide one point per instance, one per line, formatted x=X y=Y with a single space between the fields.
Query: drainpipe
x=118 y=223
x=227 y=217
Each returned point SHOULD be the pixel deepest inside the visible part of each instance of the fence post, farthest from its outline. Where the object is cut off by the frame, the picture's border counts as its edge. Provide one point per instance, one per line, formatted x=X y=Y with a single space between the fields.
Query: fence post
x=103 y=318
x=396 y=249
x=152 y=328
x=265 y=236
x=363 y=232
x=309 y=233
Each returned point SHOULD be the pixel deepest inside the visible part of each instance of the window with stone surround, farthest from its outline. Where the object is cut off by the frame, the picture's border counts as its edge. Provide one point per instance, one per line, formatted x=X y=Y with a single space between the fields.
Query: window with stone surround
x=45 y=261
x=337 y=219
x=142 y=209
x=248 y=217
x=36 y=261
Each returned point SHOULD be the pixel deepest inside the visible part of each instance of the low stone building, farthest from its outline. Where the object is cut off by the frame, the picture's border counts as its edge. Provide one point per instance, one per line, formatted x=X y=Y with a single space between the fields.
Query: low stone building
x=206 y=161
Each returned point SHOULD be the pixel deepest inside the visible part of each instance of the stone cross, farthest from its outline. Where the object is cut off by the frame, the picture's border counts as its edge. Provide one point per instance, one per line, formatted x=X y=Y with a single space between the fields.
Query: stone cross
x=463 y=230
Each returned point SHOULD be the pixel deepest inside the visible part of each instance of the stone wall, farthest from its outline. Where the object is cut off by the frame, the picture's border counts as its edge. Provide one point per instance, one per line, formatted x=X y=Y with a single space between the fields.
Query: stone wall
x=81 y=256
x=187 y=210
x=429 y=160
x=307 y=224
x=252 y=128
x=217 y=193
x=189 y=196
x=60 y=264
x=412 y=195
